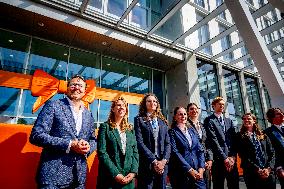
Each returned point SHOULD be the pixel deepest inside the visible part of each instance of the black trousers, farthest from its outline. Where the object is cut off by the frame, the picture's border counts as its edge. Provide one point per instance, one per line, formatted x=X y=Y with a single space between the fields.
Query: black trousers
x=253 y=181
x=219 y=174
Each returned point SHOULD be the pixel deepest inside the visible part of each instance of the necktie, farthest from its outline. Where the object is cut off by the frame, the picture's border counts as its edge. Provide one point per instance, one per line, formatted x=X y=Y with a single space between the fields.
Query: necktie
x=222 y=123
x=154 y=123
x=259 y=153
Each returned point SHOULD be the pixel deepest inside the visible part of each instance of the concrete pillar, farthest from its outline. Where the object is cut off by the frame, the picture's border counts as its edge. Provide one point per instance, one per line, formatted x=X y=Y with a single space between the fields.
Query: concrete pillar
x=258 y=50
x=182 y=85
x=244 y=92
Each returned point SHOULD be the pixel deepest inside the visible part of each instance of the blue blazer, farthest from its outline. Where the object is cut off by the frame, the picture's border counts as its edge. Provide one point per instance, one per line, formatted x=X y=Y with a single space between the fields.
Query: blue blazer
x=222 y=145
x=277 y=140
x=146 y=142
x=53 y=130
x=183 y=156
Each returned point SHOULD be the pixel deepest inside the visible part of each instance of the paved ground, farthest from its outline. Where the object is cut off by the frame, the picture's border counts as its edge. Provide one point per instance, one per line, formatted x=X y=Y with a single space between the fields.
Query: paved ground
x=242 y=186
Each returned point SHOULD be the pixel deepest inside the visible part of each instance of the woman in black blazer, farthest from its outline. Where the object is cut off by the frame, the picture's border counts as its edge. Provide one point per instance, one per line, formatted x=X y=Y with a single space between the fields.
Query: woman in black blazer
x=187 y=161
x=257 y=155
x=193 y=113
x=153 y=144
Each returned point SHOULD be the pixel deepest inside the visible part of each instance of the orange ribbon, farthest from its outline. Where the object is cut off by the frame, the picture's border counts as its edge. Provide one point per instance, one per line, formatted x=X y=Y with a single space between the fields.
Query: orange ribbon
x=45 y=87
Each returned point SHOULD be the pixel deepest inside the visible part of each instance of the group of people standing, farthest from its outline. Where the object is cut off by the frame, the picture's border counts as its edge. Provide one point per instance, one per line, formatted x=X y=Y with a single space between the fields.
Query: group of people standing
x=188 y=152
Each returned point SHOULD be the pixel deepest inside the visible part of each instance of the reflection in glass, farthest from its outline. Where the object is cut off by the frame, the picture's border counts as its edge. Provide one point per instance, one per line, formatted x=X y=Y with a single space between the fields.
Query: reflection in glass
x=8 y=101
x=114 y=74
x=13 y=51
x=28 y=101
x=104 y=110
x=254 y=98
x=139 y=79
x=233 y=93
x=85 y=64
x=116 y=7
x=133 y=112
x=203 y=34
x=158 y=88
x=48 y=57
x=208 y=85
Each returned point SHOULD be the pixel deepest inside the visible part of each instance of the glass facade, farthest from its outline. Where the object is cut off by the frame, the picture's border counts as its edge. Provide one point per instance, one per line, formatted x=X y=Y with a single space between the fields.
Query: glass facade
x=254 y=100
x=208 y=85
x=22 y=54
x=234 y=99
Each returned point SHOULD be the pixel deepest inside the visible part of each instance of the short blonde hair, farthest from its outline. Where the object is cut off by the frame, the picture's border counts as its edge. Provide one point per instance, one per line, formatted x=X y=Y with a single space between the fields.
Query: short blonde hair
x=217 y=100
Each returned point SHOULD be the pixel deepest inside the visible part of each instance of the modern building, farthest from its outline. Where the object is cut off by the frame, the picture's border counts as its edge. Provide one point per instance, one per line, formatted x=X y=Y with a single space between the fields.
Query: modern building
x=180 y=50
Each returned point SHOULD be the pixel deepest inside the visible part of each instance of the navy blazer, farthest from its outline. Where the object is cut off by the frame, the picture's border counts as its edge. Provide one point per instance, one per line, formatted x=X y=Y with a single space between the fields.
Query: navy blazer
x=183 y=156
x=222 y=144
x=277 y=139
x=248 y=154
x=53 y=130
x=203 y=141
x=146 y=142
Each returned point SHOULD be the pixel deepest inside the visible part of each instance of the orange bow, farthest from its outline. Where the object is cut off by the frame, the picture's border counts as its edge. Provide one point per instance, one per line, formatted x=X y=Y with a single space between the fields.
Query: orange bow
x=45 y=87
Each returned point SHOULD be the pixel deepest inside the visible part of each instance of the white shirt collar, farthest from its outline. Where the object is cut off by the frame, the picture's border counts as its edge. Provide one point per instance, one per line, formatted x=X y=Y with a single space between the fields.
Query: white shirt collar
x=72 y=104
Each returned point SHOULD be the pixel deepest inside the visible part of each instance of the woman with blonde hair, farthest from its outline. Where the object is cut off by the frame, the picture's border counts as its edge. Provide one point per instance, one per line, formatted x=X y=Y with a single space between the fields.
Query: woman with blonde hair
x=257 y=155
x=117 y=149
x=153 y=144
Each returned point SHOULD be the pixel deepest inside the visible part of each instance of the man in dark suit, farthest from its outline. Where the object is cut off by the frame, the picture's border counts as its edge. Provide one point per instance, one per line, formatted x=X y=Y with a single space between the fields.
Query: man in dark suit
x=276 y=134
x=65 y=130
x=221 y=137
x=153 y=143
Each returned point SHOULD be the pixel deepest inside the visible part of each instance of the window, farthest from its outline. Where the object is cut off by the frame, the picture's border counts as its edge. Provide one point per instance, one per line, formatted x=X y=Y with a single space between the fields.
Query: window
x=226 y=43
x=208 y=85
x=254 y=100
x=203 y=35
x=234 y=99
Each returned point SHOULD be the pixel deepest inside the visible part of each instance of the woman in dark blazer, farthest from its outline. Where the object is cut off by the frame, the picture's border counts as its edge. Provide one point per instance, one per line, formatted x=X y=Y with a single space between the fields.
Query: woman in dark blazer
x=153 y=144
x=257 y=155
x=193 y=116
x=117 y=150
x=187 y=160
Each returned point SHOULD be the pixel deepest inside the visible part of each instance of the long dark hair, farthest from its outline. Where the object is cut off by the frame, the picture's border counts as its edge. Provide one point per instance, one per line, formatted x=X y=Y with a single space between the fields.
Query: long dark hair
x=156 y=113
x=259 y=134
x=174 y=122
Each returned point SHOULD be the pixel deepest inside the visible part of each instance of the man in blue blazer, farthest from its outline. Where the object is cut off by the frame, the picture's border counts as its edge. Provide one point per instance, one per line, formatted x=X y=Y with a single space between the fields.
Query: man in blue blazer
x=65 y=130
x=276 y=135
x=221 y=136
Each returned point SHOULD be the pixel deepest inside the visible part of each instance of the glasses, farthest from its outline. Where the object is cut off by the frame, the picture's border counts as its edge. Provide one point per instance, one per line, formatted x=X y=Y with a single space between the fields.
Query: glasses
x=78 y=76
x=78 y=85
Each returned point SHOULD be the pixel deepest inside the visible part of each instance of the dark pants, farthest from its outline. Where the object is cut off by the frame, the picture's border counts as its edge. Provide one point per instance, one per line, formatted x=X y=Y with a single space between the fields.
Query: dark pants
x=281 y=182
x=219 y=174
x=207 y=178
x=253 y=181
x=151 y=180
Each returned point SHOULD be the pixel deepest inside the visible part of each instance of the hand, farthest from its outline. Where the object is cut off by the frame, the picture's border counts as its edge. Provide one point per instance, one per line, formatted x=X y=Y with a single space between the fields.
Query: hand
x=80 y=147
x=161 y=164
x=128 y=178
x=208 y=164
x=120 y=179
x=227 y=164
x=264 y=173
x=158 y=167
x=280 y=173
x=84 y=146
x=201 y=172
x=192 y=172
